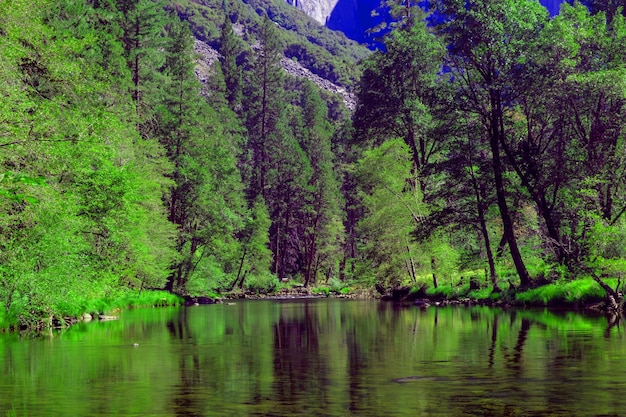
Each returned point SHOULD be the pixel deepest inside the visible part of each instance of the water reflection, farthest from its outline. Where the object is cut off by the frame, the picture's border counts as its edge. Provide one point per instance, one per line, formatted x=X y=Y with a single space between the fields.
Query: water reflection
x=320 y=357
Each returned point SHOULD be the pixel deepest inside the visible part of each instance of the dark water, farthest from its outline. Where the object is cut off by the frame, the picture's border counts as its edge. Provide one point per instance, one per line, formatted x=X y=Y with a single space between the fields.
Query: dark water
x=320 y=358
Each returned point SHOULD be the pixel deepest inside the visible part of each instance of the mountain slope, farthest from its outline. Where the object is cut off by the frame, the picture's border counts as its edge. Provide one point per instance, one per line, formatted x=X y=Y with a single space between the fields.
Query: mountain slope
x=325 y=53
x=208 y=55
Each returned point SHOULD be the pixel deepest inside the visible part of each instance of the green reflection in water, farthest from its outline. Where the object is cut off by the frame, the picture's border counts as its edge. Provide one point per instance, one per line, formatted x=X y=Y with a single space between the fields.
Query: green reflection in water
x=319 y=357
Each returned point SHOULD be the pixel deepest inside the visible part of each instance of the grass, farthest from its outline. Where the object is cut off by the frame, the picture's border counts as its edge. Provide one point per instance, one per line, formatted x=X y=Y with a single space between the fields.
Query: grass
x=585 y=291
x=484 y=294
x=328 y=290
x=561 y=293
x=73 y=307
x=321 y=291
x=448 y=291
x=132 y=299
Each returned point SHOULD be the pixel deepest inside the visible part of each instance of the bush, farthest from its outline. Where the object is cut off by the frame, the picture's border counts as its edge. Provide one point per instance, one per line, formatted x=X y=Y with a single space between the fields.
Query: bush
x=484 y=294
x=262 y=284
x=321 y=291
x=448 y=291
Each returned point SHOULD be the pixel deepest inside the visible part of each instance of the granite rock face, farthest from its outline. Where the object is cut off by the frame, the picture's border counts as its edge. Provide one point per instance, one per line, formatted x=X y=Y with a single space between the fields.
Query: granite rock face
x=207 y=56
x=319 y=10
x=354 y=17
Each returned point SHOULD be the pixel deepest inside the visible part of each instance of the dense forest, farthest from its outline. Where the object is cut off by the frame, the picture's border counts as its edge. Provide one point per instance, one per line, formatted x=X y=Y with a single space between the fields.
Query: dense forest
x=486 y=143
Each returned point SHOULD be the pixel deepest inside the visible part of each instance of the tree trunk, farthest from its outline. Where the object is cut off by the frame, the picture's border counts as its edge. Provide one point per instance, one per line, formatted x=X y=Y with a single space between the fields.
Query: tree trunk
x=614 y=298
x=411 y=265
x=539 y=197
x=433 y=266
x=497 y=131
x=239 y=271
x=480 y=209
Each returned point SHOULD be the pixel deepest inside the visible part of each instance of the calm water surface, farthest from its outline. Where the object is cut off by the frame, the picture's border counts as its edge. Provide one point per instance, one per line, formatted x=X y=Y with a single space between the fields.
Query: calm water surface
x=320 y=358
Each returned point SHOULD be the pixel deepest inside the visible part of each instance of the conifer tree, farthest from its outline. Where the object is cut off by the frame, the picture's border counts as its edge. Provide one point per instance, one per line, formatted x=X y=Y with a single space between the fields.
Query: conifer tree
x=323 y=231
x=265 y=106
x=230 y=48
x=280 y=170
x=143 y=23
x=204 y=199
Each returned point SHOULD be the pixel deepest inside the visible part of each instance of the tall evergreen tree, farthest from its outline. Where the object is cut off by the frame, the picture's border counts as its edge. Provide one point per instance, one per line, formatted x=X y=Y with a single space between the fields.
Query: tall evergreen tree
x=396 y=96
x=143 y=23
x=230 y=49
x=265 y=106
x=323 y=233
x=280 y=170
x=204 y=166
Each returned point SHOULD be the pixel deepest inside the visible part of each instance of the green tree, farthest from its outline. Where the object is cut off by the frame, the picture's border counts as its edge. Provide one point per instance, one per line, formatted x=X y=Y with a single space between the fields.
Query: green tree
x=142 y=25
x=265 y=107
x=396 y=93
x=230 y=49
x=256 y=258
x=323 y=231
x=205 y=201
x=99 y=225
x=489 y=43
x=280 y=170
x=392 y=211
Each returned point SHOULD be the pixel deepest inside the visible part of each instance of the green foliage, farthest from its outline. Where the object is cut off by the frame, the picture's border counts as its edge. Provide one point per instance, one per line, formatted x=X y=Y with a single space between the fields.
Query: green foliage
x=582 y=291
x=393 y=208
x=484 y=294
x=120 y=171
x=12 y=183
x=325 y=291
x=324 y=52
x=449 y=292
x=230 y=49
x=333 y=286
x=123 y=300
x=98 y=224
x=262 y=284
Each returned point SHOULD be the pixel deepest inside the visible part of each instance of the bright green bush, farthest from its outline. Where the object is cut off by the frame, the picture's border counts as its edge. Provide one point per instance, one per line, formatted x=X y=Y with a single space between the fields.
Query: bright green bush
x=321 y=291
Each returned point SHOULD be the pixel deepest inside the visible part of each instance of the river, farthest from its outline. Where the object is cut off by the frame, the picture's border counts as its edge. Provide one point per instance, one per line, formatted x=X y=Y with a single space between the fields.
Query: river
x=319 y=358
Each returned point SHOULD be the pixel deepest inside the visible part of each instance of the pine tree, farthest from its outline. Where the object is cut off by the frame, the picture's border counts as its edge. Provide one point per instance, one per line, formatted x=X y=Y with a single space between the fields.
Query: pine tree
x=143 y=24
x=280 y=170
x=204 y=201
x=230 y=48
x=266 y=106
x=323 y=232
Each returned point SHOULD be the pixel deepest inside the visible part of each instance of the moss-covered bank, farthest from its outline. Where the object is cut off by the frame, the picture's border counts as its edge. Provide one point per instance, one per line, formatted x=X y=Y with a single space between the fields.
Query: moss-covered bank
x=576 y=295
x=72 y=311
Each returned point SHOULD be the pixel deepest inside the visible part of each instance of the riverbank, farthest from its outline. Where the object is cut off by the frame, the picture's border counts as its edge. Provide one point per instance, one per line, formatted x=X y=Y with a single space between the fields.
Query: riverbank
x=299 y=291
x=87 y=309
x=581 y=294
x=576 y=295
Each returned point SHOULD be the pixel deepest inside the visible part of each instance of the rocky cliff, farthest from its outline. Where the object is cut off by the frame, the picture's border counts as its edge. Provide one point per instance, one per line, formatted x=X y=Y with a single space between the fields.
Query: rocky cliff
x=354 y=17
x=207 y=57
x=319 y=10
